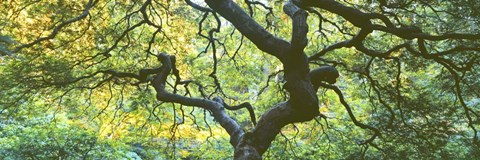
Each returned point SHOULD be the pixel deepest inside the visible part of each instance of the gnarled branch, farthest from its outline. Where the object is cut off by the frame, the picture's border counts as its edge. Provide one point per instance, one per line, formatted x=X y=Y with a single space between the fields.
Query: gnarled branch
x=217 y=109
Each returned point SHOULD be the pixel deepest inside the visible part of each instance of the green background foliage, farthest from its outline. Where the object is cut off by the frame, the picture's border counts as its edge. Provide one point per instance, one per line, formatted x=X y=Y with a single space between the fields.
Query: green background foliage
x=55 y=104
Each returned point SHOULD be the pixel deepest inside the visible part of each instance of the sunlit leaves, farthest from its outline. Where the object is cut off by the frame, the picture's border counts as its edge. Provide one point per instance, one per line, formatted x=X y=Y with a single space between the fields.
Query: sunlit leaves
x=56 y=94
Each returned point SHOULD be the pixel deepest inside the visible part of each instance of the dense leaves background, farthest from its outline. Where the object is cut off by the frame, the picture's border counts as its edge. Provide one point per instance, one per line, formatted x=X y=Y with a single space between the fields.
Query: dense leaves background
x=66 y=91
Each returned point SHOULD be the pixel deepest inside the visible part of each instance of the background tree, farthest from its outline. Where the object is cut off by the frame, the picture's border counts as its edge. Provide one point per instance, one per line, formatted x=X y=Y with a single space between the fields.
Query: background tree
x=160 y=74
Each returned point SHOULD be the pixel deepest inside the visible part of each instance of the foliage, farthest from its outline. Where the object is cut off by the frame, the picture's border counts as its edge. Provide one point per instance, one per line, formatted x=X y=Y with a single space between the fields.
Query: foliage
x=72 y=85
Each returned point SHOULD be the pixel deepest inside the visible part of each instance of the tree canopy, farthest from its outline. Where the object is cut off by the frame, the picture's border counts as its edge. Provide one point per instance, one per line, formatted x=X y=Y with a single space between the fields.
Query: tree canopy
x=251 y=79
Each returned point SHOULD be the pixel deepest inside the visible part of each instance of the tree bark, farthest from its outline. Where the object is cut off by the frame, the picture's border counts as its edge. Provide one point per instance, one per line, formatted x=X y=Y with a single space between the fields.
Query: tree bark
x=217 y=108
x=303 y=102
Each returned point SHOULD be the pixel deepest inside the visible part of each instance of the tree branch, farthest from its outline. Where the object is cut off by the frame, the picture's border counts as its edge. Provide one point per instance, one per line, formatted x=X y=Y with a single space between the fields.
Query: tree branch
x=352 y=116
x=356 y=17
x=299 y=27
x=264 y=40
x=217 y=109
x=57 y=29
x=363 y=20
x=303 y=103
